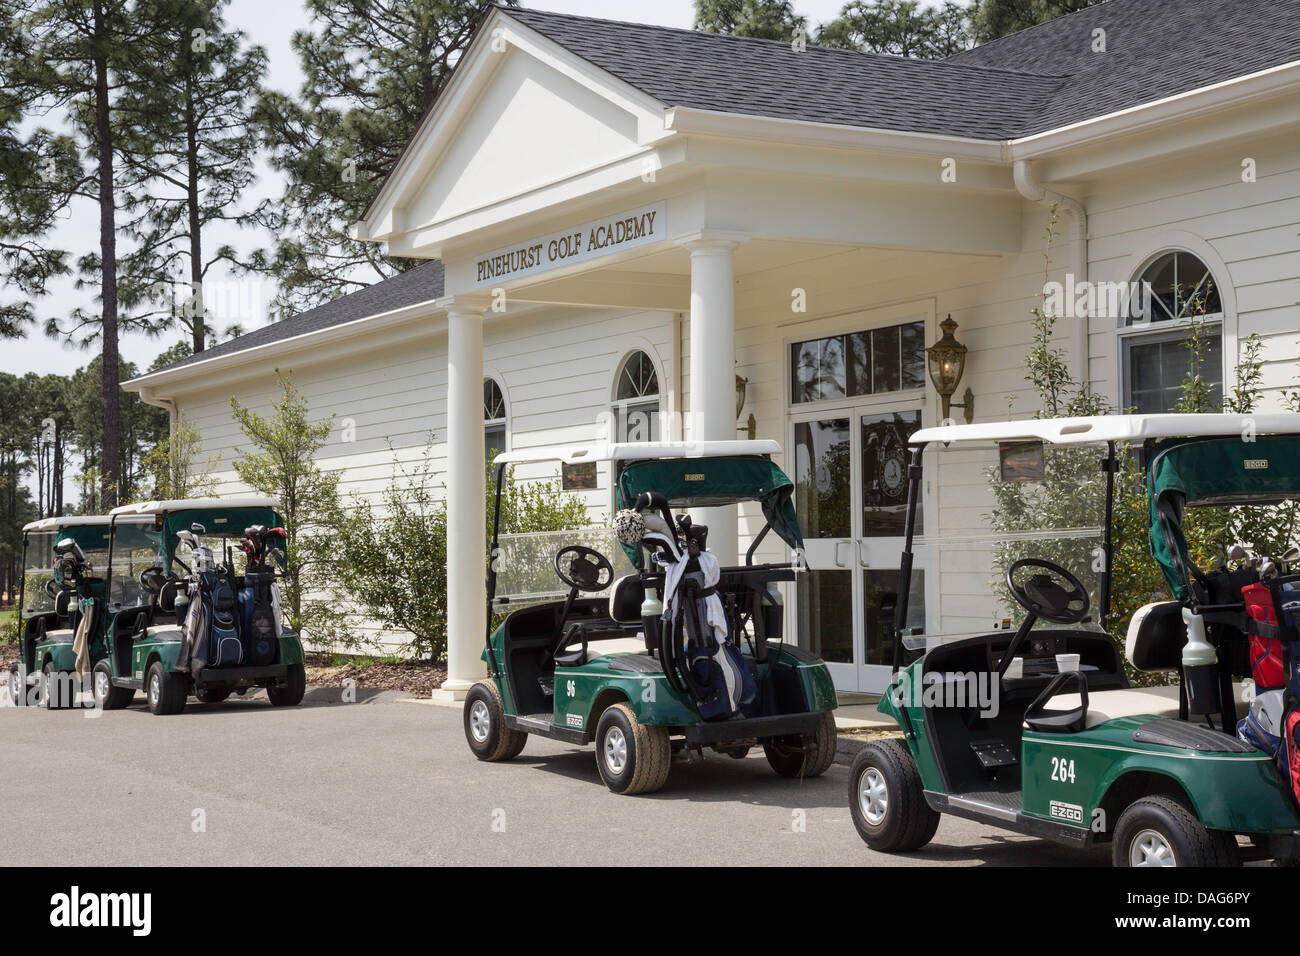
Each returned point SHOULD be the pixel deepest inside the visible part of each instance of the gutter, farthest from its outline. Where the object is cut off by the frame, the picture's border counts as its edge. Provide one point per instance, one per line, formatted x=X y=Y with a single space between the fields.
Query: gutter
x=1036 y=192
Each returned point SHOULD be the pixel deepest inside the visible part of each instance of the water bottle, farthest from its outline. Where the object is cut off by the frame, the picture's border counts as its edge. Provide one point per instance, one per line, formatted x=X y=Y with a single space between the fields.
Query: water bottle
x=1200 y=667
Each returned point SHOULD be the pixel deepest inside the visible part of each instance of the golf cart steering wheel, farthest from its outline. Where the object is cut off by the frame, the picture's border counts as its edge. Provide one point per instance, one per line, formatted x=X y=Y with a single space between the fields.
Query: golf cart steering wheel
x=1046 y=598
x=584 y=569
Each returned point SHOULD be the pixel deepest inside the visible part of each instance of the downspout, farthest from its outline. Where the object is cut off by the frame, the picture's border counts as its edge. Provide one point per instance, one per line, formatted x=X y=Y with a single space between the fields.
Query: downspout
x=1035 y=191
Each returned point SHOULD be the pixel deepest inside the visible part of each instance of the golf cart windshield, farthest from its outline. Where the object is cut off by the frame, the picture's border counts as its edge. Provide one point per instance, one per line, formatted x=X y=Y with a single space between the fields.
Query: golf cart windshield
x=525 y=563
x=38 y=572
x=135 y=550
x=1017 y=502
x=1208 y=472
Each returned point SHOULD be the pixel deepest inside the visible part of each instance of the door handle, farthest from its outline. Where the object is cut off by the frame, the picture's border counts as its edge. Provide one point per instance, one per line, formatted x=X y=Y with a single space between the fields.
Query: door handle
x=862 y=562
x=839 y=552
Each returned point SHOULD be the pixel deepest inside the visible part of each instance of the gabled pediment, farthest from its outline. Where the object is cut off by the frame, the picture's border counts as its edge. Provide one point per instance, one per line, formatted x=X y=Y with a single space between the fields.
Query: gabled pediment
x=521 y=114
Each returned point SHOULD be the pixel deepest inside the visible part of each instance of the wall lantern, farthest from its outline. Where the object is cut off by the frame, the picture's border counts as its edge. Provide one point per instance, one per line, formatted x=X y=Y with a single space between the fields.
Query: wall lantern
x=947 y=361
x=750 y=427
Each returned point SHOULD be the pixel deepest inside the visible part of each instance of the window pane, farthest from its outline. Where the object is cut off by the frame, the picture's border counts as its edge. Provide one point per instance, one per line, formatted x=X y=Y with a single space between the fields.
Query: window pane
x=913 y=347
x=637 y=378
x=1158 y=367
x=494 y=401
x=881 y=606
x=884 y=473
x=822 y=478
x=639 y=422
x=825 y=626
x=859 y=382
x=494 y=441
x=818 y=369
x=885 y=360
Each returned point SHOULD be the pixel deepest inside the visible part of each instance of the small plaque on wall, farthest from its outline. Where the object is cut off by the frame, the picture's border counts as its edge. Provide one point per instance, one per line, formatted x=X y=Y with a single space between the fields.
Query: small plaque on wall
x=1022 y=460
x=579 y=477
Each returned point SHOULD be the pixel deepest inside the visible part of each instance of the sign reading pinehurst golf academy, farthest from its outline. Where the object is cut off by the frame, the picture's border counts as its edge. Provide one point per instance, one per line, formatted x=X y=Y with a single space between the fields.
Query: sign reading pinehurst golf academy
x=600 y=237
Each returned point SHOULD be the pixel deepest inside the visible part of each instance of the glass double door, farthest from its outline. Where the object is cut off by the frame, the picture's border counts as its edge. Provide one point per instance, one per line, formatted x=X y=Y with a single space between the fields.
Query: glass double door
x=850 y=475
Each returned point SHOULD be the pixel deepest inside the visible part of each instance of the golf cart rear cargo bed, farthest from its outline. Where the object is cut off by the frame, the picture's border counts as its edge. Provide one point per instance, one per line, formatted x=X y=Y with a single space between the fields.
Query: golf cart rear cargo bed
x=741 y=728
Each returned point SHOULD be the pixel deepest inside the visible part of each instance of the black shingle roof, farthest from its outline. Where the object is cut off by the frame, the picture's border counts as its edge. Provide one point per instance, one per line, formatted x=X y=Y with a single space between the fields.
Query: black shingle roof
x=1032 y=81
x=420 y=284
x=1154 y=49
x=714 y=71
x=1038 y=79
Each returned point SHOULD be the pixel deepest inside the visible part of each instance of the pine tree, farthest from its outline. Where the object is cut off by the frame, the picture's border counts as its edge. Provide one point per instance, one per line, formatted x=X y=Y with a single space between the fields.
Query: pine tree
x=764 y=19
x=35 y=173
x=992 y=19
x=74 y=54
x=899 y=28
x=190 y=146
x=373 y=68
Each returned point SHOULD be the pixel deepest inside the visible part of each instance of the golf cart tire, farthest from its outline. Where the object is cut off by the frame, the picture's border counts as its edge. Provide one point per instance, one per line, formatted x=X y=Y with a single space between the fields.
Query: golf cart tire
x=647 y=754
x=908 y=823
x=499 y=742
x=167 y=693
x=53 y=698
x=214 y=695
x=114 y=698
x=1191 y=843
x=290 y=691
x=17 y=688
x=791 y=760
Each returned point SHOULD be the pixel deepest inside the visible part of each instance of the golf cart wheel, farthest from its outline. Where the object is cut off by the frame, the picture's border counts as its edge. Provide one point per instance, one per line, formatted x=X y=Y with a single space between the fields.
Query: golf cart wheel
x=485 y=726
x=54 y=691
x=787 y=756
x=213 y=695
x=17 y=688
x=886 y=799
x=108 y=697
x=288 y=693
x=632 y=757
x=1160 y=831
x=164 y=691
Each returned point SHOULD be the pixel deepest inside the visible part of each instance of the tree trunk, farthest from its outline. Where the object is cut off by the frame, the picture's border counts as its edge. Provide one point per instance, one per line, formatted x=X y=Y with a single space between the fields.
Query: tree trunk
x=108 y=264
x=199 y=328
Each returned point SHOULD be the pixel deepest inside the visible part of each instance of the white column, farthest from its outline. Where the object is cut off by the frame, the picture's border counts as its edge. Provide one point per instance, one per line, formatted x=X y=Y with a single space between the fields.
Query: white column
x=713 y=368
x=466 y=590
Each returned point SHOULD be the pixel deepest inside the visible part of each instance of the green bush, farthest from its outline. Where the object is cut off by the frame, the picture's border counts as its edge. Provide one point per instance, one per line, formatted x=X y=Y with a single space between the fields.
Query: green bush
x=391 y=557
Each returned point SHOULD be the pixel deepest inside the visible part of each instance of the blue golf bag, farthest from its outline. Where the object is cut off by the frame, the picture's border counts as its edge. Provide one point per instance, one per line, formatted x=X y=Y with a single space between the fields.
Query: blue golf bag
x=259 y=616
x=225 y=649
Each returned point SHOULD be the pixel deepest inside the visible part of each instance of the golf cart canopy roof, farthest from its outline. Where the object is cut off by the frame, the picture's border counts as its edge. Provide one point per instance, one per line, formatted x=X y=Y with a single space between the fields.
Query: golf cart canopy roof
x=223 y=517
x=1116 y=428
x=196 y=504
x=72 y=521
x=638 y=451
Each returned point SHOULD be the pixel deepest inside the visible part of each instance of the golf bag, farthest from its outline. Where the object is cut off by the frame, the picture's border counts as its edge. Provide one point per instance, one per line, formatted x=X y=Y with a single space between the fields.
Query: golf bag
x=698 y=645
x=225 y=649
x=259 y=606
x=1286 y=606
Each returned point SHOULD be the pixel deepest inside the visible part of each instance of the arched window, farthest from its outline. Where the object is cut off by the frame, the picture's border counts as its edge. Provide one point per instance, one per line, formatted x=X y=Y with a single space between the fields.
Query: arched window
x=636 y=400
x=494 y=419
x=1176 y=292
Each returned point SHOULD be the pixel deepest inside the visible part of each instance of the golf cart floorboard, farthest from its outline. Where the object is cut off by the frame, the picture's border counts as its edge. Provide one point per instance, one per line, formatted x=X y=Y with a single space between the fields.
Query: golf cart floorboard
x=1003 y=808
x=541 y=724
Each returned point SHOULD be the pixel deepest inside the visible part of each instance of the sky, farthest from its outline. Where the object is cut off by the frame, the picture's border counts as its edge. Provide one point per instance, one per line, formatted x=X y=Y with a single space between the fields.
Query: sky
x=271 y=24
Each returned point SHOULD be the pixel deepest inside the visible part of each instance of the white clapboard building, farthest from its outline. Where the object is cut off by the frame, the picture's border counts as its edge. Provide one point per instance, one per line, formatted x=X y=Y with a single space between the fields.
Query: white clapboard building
x=620 y=220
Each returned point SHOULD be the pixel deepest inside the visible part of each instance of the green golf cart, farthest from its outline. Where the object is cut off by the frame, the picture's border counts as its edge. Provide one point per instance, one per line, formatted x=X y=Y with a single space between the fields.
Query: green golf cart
x=158 y=552
x=587 y=654
x=1061 y=747
x=63 y=589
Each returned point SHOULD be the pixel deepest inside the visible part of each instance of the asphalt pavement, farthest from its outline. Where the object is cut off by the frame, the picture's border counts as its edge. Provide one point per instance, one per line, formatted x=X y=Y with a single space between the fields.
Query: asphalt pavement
x=383 y=781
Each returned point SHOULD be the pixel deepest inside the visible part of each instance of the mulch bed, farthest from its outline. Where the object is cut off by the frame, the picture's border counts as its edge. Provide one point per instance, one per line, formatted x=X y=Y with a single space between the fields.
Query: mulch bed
x=8 y=656
x=417 y=678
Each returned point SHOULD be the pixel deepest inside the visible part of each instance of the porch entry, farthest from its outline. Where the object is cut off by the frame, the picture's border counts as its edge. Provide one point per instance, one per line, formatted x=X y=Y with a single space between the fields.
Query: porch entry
x=855 y=400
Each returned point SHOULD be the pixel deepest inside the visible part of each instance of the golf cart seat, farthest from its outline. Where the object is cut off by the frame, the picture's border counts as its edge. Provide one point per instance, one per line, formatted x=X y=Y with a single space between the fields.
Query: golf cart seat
x=1156 y=636
x=1107 y=705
